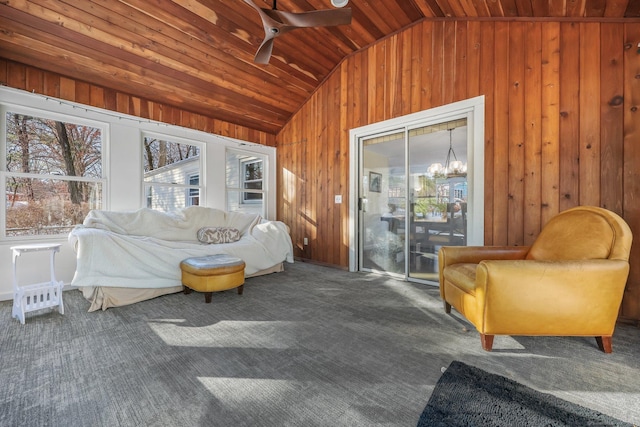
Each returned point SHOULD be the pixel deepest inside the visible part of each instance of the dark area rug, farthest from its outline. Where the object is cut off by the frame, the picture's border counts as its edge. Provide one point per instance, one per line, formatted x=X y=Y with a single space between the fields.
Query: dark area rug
x=468 y=396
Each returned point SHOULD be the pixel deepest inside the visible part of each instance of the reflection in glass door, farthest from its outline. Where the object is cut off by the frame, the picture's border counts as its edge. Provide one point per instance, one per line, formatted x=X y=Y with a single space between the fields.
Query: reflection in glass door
x=438 y=194
x=382 y=203
x=413 y=198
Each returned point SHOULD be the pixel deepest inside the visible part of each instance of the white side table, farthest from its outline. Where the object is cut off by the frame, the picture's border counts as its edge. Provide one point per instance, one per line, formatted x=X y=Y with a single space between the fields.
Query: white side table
x=40 y=295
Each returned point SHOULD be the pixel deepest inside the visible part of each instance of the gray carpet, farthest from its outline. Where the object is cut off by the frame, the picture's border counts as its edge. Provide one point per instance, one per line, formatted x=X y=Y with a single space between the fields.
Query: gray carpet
x=312 y=346
x=467 y=396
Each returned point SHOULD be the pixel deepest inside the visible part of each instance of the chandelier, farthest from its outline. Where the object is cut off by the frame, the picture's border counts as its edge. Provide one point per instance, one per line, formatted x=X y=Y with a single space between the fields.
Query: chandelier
x=451 y=168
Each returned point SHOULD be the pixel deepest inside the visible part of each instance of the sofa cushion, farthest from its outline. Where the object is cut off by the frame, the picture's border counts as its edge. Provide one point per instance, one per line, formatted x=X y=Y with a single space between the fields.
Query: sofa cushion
x=218 y=235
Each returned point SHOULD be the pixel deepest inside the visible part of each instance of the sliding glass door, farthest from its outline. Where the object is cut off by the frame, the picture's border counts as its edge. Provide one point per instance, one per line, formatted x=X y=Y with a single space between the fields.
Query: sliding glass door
x=413 y=196
x=438 y=194
x=383 y=203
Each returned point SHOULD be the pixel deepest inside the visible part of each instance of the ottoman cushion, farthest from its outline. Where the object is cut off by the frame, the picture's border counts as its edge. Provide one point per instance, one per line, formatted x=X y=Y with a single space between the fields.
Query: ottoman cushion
x=212 y=273
x=212 y=265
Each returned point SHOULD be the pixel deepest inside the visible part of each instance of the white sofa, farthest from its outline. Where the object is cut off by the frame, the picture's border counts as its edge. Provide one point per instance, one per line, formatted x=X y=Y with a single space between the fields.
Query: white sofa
x=127 y=257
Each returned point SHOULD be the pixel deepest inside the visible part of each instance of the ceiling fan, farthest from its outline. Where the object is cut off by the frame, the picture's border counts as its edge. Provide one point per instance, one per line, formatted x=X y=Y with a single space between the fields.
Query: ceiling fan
x=277 y=22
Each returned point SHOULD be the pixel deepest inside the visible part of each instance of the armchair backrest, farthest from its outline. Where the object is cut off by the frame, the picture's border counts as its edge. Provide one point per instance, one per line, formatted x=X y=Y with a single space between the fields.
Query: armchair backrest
x=583 y=232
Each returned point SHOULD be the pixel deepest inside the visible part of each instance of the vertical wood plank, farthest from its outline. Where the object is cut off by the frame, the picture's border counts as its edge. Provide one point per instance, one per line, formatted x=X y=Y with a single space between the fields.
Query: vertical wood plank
x=52 y=85
x=67 y=89
x=590 y=114
x=487 y=87
x=322 y=153
x=460 y=65
x=473 y=50
x=500 y=184
x=437 y=64
x=122 y=104
x=96 y=97
x=532 y=132
x=550 y=167
x=3 y=72
x=611 y=116
x=449 y=63
x=569 y=115
x=111 y=102
x=382 y=96
x=16 y=75
x=418 y=63
x=34 y=80
x=372 y=72
x=516 y=135
x=403 y=95
x=82 y=93
x=313 y=177
x=393 y=85
x=426 y=75
x=331 y=159
x=342 y=215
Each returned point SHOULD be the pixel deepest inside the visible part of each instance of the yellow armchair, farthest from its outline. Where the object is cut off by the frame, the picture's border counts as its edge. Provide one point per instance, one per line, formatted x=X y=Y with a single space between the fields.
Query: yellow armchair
x=570 y=282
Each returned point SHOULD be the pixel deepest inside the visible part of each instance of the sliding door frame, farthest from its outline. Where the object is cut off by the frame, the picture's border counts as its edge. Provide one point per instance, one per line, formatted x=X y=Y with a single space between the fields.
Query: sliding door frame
x=473 y=110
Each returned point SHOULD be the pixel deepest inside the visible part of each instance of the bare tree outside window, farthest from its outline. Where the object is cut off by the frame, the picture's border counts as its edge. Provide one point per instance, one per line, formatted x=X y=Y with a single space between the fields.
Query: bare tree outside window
x=53 y=174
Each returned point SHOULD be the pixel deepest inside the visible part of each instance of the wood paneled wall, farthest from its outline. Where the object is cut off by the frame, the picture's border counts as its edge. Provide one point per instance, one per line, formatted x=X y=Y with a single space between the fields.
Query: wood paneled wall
x=31 y=79
x=561 y=125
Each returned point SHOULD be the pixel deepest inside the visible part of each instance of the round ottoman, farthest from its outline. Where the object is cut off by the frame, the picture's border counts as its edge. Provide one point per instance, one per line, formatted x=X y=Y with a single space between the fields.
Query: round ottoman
x=212 y=273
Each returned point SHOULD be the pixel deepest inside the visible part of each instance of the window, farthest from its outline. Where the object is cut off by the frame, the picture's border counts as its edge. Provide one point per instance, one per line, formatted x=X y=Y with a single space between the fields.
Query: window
x=252 y=180
x=172 y=173
x=245 y=182
x=52 y=172
x=193 y=194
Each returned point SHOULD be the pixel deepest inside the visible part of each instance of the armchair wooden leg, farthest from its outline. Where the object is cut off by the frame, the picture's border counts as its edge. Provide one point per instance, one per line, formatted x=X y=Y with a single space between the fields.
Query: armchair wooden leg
x=487 y=341
x=447 y=307
x=604 y=344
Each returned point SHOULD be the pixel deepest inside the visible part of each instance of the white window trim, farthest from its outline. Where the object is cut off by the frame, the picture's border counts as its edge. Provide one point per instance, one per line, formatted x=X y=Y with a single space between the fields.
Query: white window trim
x=243 y=190
x=122 y=133
x=268 y=180
x=189 y=196
x=201 y=166
x=16 y=108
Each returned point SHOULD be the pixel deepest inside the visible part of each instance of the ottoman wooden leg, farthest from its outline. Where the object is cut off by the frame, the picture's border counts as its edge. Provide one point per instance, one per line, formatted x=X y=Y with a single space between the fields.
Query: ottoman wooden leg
x=207 y=297
x=187 y=290
x=240 y=289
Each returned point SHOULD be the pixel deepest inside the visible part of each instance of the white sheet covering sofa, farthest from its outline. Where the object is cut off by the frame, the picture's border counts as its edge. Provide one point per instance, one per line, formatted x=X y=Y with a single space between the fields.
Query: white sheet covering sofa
x=127 y=257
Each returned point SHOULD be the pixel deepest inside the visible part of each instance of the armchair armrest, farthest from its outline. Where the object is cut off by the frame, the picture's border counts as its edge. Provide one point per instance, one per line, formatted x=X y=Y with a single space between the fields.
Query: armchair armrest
x=527 y=297
x=449 y=255
x=474 y=254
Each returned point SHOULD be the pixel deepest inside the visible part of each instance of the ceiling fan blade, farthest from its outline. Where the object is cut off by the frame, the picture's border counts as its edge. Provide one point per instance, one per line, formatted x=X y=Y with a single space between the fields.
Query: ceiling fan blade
x=276 y=23
x=314 y=18
x=263 y=55
x=268 y=22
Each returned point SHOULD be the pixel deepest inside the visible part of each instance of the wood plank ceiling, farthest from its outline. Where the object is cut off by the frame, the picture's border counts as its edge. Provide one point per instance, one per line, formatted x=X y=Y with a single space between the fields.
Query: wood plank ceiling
x=198 y=54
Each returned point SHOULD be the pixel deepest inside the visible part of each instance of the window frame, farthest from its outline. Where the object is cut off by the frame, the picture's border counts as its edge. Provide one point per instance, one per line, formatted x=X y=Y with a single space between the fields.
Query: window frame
x=244 y=191
x=9 y=107
x=147 y=186
x=234 y=191
x=190 y=196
